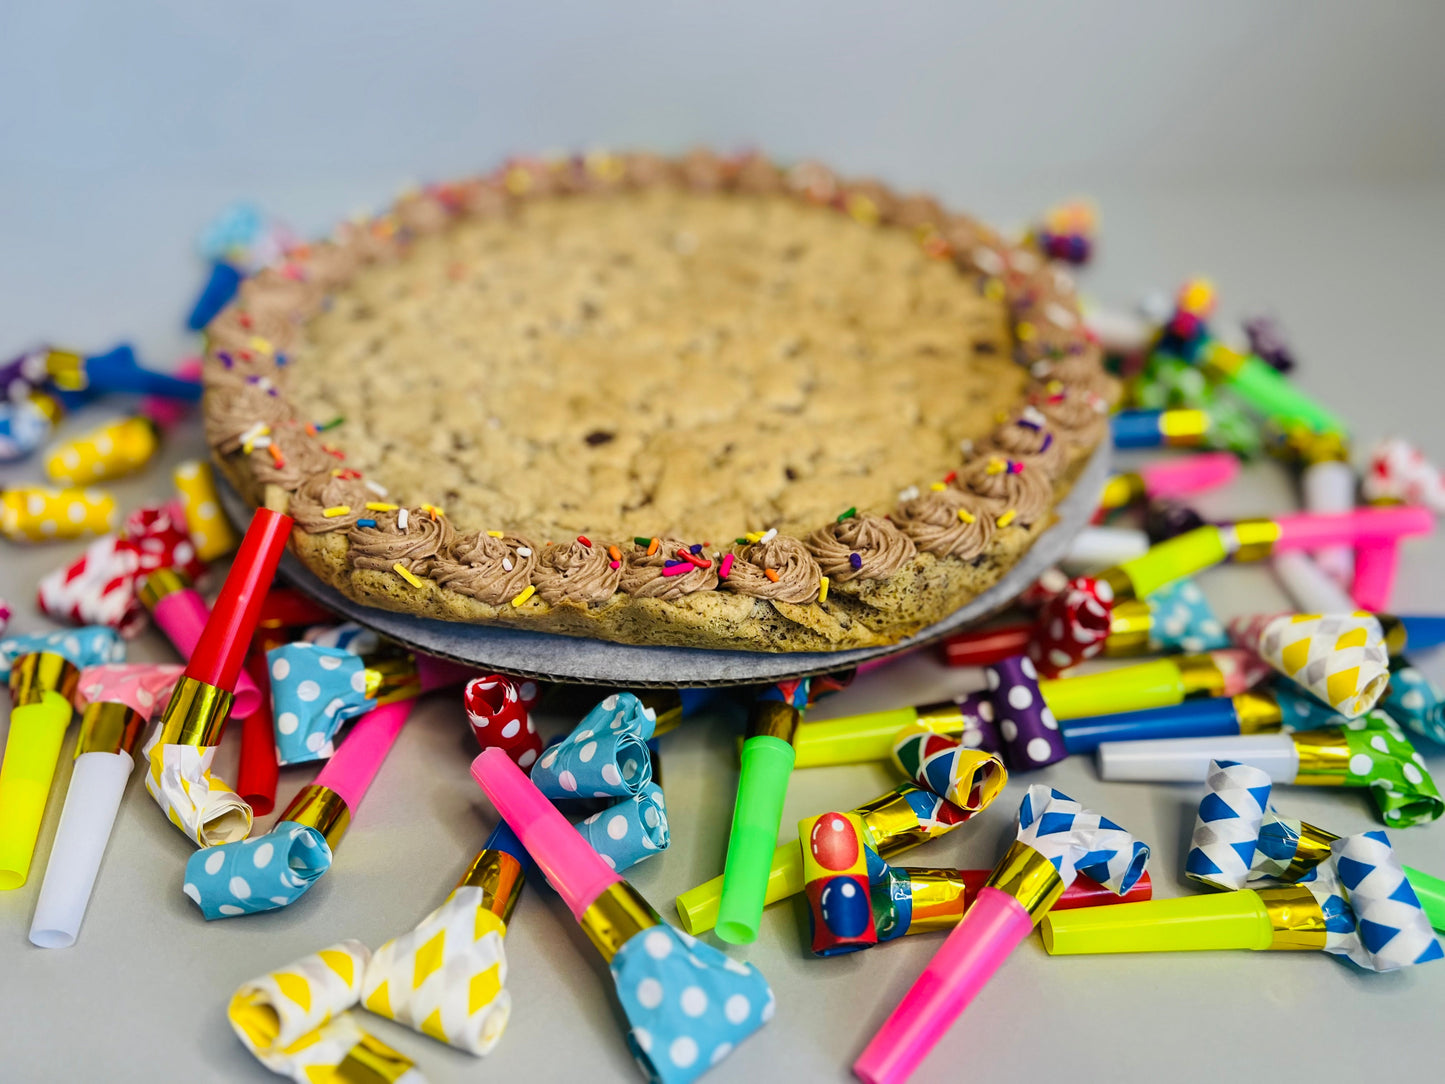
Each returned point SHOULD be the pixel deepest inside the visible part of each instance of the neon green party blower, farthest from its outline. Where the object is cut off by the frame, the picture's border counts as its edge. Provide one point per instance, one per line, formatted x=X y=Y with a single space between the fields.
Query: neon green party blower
x=767 y=764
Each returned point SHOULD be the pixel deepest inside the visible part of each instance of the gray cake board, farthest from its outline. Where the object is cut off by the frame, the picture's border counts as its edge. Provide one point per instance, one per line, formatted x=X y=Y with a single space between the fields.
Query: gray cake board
x=552 y=657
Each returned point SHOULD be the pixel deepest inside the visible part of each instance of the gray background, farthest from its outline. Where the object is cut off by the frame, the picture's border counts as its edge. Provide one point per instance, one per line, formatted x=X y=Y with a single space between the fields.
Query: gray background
x=1294 y=151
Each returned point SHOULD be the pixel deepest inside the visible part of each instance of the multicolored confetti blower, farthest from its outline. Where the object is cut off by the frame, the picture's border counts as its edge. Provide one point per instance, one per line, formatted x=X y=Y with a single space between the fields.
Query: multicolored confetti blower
x=1057 y=839
x=767 y=764
x=1349 y=897
x=687 y=1004
x=204 y=808
x=976 y=718
x=895 y=821
x=116 y=701
x=1371 y=752
x=44 y=672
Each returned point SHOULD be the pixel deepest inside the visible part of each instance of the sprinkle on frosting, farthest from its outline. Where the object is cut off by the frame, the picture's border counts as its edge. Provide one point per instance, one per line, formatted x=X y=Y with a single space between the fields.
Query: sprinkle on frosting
x=865 y=547
x=646 y=575
x=414 y=542
x=780 y=569
x=579 y=574
x=932 y=521
x=489 y=569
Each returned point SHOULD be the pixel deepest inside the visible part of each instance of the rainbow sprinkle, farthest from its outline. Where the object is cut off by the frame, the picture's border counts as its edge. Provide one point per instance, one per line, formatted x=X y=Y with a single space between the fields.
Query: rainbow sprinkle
x=585 y=540
x=856 y=560
x=726 y=567
x=678 y=568
x=380 y=506
x=771 y=573
x=847 y=515
x=1007 y=518
x=527 y=592
x=366 y=522
x=277 y=456
x=822 y=588
x=336 y=510
x=966 y=516
x=402 y=519
x=332 y=424
x=401 y=571
x=494 y=534
x=652 y=545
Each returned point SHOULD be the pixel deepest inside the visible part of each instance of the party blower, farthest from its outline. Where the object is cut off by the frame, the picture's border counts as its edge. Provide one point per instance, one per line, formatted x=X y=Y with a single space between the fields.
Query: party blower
x=1170 y=478
x=181 y=613
x=687 y=1004
x=116 y=702
x=896 y=821
x=908 y=901
x=1349 y=897
x=1057 y=839
x=1240 y=840
x=858 y=739
x=44 y=671
x=1075 y=623
x=266 y=873
x=1371 y=752
x=1175 y=618
x=447 y=977
x=204 y=808
x=767 y=763
x=116 y=370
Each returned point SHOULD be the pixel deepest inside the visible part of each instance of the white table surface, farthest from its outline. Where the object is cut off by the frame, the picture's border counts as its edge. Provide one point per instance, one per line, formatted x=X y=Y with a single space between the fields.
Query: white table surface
x=141 y=997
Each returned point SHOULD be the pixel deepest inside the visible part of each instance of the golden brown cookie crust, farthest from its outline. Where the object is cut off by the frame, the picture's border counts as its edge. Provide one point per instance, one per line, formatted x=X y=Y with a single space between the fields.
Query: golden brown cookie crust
x=624 y=354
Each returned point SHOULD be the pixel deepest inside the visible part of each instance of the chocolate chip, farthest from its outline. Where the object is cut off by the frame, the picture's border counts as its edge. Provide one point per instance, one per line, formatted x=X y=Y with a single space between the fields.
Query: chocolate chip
x=600 y=436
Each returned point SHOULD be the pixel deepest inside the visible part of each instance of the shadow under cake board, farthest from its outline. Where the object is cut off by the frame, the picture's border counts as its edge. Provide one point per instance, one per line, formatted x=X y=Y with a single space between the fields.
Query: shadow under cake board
x=552 y=657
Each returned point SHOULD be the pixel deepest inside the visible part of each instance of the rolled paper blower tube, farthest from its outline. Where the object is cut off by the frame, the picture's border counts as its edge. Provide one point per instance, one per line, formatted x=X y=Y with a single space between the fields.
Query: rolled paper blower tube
x=1100 y=547
x=1431 y=893
x=984 y=647
x=32 y=749
x=182 y=614
x=1186 y=760
x=1310 y=531
x=976 y=948
x=258 y=771
x=354 y=765
x=1210 y=717
x=97 y=784
x=767 y=763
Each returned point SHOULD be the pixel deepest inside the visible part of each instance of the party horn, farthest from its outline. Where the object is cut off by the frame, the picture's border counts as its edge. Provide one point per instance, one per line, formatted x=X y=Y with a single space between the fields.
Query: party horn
x=1327 y=484
x=288 y=608
x=1174 y=618
x=44 y=671
x=40 y=514
x=908 y=901
x=1358 y=904
x=258 y=771
x=447 y=976
x=208 y=526
x=1257 y=711
x=117 y=370
x=1375 y=755
x=1265 y=389
x=179 y=777
x=860 y=738
x=767 y=762
x=316 y=687
x=675 y=1034
x=1170 y=478
x=113 y=450
x=896 y=821
x=499 y=718
x=1340 y=659
x=1057 y=840
x=181 y=613
x=835 y=882
x=295 y=1021
x=1099 y=547
x=1240 y=841
x=26 y=422
x=1375 y=567
x=266 y=873
x=116 y=703
x=222 y=283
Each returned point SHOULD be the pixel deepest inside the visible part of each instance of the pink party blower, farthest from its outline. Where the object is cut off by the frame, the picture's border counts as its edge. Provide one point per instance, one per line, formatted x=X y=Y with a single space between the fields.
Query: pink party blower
x=182 y=613
x=1170 y=478
x=1055 y=834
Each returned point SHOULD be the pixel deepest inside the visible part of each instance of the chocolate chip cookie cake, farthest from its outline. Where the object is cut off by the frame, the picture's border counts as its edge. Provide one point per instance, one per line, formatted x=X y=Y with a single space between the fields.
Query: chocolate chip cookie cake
x=707 y=401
